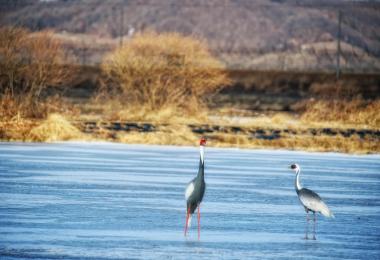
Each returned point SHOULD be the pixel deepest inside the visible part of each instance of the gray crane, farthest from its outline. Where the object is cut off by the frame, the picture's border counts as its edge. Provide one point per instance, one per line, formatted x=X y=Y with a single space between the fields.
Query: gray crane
x=310 y=200
x=195 y=191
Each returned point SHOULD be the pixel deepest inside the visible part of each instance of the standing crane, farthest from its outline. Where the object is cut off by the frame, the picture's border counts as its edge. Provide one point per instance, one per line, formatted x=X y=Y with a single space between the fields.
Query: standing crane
x=310 y=200
x=195 y=190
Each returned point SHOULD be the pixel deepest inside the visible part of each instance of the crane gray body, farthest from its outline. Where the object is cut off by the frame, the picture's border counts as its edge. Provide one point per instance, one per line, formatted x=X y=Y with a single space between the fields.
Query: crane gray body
x=195 y=191
x=199 y=185
x=310 y=200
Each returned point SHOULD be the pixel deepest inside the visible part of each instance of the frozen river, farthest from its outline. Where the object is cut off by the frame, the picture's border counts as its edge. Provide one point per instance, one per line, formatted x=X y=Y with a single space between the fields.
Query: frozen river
x=113 y=201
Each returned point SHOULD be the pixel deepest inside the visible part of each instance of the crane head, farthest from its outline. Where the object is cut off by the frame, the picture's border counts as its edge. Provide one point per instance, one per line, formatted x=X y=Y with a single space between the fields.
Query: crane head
x=295 y=167
x=202 y=142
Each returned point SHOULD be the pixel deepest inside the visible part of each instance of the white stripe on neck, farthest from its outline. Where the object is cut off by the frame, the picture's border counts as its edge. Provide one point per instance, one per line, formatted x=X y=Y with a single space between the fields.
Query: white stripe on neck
x=298 y=183
x=202 y=152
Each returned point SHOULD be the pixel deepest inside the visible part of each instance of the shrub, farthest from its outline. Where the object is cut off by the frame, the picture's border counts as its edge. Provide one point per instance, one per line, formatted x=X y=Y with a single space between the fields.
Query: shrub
x=29 y=63
x=160 y=70
x=355 y=111
x=55 y=128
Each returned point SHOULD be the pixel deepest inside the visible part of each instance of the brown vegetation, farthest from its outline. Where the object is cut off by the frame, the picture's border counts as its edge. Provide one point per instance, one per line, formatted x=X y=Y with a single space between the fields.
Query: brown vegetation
x=170 y=135
x=167 y=114
x=356 y=112
x=164 y=72
x=30 y=62
x=55 y=128
x=167 y=80
x=16 y=129
x=302 y=142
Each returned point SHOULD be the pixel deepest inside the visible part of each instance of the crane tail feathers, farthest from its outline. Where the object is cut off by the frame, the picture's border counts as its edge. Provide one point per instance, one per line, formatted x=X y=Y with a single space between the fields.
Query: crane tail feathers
x=327 y=212
x=331 y=215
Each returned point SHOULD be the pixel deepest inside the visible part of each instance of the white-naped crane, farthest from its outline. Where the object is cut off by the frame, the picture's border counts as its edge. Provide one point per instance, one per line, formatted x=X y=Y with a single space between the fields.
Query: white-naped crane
x=195 y=190
x=310 y=200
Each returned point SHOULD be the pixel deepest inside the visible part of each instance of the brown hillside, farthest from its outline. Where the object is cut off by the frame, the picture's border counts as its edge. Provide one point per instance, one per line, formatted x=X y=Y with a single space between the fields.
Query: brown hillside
x=265 y=34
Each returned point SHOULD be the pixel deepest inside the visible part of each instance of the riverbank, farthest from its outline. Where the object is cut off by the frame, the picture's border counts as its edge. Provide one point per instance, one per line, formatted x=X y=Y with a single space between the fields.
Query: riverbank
x=294 y=111
x=270 y=133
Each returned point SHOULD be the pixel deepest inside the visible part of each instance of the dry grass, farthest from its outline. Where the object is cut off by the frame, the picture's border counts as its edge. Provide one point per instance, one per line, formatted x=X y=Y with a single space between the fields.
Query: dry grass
x=17 y=129
x=166 y=115
x=301 y=142
x=345 y=112
x=278 y=121
x=323 y=144
x=55 y=128
x=182 y=135
x=342 y=89
x=115 y=111
x=170 y=135
x=320 y=114
x=17 y=108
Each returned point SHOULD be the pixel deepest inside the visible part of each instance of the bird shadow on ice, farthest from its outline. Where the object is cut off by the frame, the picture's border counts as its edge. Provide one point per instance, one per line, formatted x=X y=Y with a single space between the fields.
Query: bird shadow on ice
x=196 y=246
x=309 y=244
x=193 y=243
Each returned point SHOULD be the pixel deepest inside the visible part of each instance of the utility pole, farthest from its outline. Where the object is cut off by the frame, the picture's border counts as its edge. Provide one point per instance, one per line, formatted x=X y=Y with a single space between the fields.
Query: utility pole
x=84 y=45
x=338 y=45
x=121 y=32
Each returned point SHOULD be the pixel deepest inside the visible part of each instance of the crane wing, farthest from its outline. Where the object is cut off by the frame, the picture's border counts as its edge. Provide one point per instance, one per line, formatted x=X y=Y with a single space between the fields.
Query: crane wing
x=309 y=199
x=312 y=201
x=189 y=190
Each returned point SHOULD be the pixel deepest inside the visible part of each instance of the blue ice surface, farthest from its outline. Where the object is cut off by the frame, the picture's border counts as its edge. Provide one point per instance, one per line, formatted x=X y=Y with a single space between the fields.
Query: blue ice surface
x=116 y=201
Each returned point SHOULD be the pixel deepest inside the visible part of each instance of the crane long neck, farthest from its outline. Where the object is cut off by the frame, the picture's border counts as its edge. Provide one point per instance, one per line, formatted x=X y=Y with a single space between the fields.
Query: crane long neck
x=201 y=163
x=297 y=182
x=202 y=153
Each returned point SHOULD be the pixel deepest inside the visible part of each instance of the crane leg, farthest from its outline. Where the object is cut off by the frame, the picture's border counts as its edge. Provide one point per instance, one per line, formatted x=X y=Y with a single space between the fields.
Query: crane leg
x=199 y=221
x=315 y=223
x=307 y=225
x=187 y=220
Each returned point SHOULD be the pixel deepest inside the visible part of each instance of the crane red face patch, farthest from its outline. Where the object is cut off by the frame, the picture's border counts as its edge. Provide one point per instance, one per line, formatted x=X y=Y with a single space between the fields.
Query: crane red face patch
x=202 y=141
